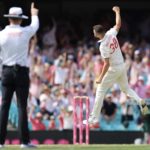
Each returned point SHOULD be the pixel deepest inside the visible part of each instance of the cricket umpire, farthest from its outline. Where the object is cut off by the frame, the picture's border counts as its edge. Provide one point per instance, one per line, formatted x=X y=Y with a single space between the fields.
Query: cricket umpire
x=14 y=45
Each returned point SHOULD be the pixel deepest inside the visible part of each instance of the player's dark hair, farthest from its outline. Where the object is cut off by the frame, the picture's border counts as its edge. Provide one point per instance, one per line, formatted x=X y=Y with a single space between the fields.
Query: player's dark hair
x=99 y=29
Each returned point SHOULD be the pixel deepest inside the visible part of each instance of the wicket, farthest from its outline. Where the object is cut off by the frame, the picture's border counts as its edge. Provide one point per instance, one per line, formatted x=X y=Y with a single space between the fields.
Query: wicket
x=78 y=119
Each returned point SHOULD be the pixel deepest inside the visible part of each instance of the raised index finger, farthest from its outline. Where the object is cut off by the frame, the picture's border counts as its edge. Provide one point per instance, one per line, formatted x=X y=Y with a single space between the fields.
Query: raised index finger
x=32 y=5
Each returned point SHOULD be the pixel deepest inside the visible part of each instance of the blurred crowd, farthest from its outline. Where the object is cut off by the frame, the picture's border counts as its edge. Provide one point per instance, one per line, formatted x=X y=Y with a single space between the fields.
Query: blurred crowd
x=61 y=67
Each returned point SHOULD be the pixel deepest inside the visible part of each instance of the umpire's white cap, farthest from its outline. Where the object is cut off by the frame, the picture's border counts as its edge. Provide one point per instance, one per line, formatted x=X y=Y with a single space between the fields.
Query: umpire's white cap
x=16 y=12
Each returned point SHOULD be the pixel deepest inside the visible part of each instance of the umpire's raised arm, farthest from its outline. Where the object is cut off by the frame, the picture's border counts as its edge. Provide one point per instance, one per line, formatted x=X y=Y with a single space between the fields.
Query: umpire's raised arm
x=34 y=20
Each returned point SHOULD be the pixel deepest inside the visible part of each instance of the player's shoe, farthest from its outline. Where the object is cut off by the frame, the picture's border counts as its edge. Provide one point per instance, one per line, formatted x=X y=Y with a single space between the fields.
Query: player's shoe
x=1 y=146
x=28 y=146
x=144 y=108
x=93 y=122
x=94 y=125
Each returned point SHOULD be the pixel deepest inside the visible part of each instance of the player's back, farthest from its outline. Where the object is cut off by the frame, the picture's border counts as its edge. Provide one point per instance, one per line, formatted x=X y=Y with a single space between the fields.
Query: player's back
x=110 y=48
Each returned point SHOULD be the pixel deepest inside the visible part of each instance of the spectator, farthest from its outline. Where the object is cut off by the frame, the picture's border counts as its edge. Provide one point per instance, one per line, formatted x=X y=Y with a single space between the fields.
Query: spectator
x=109 y=108
x=140 y=87
x=49 y=39
x=135 y=68
x=37 y=123
x=61 y=72
x=52 y=124
x=46 y=102
x=68 y=118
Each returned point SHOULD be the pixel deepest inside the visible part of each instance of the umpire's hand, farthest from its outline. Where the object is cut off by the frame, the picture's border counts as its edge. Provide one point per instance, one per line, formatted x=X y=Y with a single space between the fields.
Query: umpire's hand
x=34 y=11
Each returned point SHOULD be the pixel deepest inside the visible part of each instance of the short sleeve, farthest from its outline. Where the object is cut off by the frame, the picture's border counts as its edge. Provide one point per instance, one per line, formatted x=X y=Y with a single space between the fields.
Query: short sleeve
x=112 y=31
x=105 y=52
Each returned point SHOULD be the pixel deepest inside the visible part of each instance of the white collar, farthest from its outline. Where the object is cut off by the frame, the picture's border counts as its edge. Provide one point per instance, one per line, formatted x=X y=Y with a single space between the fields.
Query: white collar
x=13 y=25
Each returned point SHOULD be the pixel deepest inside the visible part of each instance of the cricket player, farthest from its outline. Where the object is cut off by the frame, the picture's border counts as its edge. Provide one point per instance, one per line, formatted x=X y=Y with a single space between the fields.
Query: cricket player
x=113 y=71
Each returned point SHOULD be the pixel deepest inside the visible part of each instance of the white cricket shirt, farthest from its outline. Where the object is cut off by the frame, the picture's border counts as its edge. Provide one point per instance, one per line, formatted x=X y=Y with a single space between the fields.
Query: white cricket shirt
x=109 y=48
x=14 y=43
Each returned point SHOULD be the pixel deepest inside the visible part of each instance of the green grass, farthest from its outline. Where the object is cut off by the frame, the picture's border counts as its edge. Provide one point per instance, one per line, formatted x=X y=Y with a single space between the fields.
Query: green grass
x=86 y=147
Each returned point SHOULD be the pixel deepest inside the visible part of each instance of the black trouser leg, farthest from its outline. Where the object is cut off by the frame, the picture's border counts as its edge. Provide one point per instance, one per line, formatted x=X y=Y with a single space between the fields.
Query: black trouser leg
x=22 y=91
x=7 y=93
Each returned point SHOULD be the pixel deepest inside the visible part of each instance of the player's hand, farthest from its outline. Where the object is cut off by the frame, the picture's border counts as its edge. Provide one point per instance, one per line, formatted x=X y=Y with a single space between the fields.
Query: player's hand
x=34 y=11
x=98 y=81
x=116 y=9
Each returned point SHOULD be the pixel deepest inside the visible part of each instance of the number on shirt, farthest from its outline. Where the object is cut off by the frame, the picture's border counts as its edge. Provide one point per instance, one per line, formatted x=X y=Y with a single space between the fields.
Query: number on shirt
x=113 y=45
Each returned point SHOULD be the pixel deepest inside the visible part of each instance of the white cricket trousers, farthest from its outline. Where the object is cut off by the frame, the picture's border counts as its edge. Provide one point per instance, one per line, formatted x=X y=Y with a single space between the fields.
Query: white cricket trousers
x=115 y=74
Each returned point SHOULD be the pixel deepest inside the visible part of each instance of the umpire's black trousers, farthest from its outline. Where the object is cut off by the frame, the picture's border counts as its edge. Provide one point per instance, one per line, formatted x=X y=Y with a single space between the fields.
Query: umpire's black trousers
x=15 y=79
